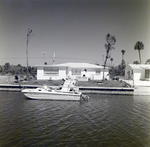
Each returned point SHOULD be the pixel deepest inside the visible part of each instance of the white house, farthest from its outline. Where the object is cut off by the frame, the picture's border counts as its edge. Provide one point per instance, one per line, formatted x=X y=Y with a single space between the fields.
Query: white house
x=139 y=73
x=82 y=71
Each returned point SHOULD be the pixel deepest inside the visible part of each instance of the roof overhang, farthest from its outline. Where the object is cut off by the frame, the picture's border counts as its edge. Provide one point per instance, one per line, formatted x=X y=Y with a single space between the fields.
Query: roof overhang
x=75 y=65
x=139 y=66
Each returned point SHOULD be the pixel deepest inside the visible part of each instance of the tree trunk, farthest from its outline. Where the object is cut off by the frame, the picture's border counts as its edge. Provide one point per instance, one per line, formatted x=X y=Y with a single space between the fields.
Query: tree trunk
x=139 y=56
x=105 y=65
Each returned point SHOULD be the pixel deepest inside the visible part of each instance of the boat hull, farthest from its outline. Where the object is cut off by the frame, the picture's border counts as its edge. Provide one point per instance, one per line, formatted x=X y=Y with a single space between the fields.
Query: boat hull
x=52 y=95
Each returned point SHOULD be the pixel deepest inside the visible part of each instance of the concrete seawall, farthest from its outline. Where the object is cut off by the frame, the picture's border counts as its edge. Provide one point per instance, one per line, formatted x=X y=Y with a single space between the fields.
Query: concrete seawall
x=101 y=90
x=11 y=87
x=141 y=90
x=108 y=90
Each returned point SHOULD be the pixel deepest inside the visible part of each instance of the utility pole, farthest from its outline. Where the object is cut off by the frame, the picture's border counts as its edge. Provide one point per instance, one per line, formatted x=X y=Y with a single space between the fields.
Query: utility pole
x=28 y=38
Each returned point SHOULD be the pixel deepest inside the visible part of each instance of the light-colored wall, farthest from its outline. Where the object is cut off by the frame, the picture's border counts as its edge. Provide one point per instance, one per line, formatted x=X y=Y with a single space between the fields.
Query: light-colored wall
x=128 y=73
x=91 y=73
x=62 y=73
x=41 y=76
x=40 y=73
x=139 y=74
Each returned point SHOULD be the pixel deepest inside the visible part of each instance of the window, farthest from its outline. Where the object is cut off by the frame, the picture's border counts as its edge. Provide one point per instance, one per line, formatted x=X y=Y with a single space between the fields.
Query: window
x=76 y=71
x=147 y=73
x=51 y=71
x=98 y=71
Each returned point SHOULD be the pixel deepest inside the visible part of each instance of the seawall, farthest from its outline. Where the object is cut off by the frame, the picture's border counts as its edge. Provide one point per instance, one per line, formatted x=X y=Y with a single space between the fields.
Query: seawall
x=100 y=90
x=108 y=90
x=142 y=90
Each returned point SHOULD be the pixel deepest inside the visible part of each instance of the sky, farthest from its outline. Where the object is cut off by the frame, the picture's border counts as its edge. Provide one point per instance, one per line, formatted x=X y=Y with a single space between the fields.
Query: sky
x=74 y=29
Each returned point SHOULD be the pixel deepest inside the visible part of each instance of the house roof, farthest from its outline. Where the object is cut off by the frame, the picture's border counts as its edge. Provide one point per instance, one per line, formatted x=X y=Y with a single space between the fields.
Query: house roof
x=74 y=65
x=80 y=65
x=140 y=66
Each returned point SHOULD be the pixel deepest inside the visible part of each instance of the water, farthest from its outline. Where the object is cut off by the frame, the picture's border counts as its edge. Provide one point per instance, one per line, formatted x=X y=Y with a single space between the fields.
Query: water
x=105 y=120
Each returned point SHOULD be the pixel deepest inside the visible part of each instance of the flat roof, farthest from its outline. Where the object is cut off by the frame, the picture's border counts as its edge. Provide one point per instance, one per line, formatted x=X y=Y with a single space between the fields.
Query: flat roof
x=140 y=66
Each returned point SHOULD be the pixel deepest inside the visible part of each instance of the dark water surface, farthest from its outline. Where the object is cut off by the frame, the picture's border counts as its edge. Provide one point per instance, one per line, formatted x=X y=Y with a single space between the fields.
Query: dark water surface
x=105 y=120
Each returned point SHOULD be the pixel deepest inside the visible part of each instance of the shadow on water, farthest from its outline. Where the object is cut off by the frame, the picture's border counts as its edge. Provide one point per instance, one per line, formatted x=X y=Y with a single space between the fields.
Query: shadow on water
x=103 y=120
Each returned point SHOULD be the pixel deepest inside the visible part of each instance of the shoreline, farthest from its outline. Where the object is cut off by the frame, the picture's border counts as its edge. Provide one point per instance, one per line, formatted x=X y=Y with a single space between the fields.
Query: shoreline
x=83 y=89
x=7 y=83
x=97 y=90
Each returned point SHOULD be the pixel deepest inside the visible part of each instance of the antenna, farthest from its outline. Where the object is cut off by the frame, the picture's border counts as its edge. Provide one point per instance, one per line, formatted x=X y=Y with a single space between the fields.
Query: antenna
x=53 y=58
x=44 y=56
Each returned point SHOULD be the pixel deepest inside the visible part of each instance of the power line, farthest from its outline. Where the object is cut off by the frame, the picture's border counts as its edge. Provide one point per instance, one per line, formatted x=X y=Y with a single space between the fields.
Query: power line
x=52 y=57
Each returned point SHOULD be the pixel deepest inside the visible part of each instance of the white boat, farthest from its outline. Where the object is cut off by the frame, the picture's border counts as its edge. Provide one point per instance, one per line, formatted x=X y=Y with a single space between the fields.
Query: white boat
x=68 y=92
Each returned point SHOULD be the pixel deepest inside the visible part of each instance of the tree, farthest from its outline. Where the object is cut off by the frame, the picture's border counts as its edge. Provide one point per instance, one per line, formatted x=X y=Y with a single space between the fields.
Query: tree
x=111 y=40
x=123 y=52
x=111 y=59
x=29 y=34
x=136 y=62
x=6 y=68
x=12 y=69
x=139 y=46
x=147 y=61
x=122 y=67
x=1 y=69
x=19 y=69
x=112 y=72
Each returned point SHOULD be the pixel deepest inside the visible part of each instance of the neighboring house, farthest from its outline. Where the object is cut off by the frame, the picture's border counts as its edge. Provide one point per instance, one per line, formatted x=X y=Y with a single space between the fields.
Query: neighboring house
x=139 y=73
x=82 y=71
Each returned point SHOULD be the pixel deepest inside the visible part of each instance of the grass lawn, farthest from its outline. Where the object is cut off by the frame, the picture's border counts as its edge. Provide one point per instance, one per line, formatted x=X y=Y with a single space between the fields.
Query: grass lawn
x=109 y=83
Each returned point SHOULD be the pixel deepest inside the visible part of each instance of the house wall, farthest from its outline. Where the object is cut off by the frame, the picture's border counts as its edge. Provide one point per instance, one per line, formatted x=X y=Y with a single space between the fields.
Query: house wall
x=41 y=76
x=62 y=74
x=139 y=74
x=128 y=73
x=40 y=73
x=90 y=73
x=147 y=76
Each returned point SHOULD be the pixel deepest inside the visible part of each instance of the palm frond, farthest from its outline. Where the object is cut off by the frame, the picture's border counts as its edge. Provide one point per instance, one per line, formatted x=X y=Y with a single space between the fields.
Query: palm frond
x=139 y=45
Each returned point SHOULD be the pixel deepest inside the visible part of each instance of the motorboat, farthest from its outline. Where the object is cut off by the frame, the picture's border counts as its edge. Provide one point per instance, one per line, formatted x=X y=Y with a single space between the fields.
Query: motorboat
x=68 y=92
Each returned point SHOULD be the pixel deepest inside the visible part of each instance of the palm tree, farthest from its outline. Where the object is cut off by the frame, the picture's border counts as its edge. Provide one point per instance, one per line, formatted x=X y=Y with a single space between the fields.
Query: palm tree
x=111 y=40
x=147 y=61
x=139 y=46
x=29 y=34
x=123 y=51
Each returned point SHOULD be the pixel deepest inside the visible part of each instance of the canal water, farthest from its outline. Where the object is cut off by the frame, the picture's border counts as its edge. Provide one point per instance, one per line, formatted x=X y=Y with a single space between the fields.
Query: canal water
x=105 y=120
